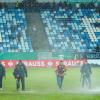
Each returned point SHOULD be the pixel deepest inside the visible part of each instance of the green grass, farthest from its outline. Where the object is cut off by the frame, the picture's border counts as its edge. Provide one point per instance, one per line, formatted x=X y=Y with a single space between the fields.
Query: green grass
x=41 y=85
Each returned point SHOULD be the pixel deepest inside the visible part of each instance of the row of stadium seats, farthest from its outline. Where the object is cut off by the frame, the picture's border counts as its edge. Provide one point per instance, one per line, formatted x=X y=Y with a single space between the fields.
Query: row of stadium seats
x=13 y=31
x=71 y=28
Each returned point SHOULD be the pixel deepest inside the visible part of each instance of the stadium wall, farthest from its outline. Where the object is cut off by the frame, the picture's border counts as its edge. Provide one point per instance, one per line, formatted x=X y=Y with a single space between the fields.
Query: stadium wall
x=40 y=55
x=18 y=56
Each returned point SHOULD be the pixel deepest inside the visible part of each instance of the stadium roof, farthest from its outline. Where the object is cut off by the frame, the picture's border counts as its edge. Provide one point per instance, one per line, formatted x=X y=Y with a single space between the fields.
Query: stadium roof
x=52 y=0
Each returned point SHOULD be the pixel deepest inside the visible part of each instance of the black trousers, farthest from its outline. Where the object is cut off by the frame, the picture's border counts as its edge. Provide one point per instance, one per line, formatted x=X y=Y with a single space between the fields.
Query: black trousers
x=1 y=78
x=21 y=81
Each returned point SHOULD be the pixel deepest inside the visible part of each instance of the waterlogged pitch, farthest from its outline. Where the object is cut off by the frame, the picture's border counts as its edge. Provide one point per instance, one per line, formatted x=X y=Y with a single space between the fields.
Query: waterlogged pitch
x=41 y=85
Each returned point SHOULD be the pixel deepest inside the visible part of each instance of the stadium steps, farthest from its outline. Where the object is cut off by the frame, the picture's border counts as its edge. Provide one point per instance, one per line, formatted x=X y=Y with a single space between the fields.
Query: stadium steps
x=36 y=30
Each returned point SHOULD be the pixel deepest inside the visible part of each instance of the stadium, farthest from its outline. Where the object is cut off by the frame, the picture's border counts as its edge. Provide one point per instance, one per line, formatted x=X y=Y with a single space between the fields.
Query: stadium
x=43 y=35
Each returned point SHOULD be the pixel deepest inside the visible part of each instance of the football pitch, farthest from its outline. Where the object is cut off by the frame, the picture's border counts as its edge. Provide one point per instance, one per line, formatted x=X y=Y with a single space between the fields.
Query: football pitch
x=41 y=85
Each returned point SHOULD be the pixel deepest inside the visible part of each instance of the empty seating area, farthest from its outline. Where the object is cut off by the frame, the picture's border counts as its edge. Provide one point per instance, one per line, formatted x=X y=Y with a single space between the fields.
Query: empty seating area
x=72 y=28
x=13 y=27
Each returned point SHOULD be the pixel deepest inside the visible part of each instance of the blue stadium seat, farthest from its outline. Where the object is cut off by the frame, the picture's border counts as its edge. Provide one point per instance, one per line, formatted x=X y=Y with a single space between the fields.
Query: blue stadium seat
x=12 y=22
x=74 y=28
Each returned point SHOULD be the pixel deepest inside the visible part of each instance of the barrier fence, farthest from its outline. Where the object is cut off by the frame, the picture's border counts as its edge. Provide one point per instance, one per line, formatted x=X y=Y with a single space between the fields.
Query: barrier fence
x=43 y=63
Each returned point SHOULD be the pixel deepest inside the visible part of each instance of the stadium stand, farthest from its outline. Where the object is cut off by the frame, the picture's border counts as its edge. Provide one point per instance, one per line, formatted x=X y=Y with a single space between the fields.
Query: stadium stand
x=67 y=27
x=13 y=27
x=72 y=28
